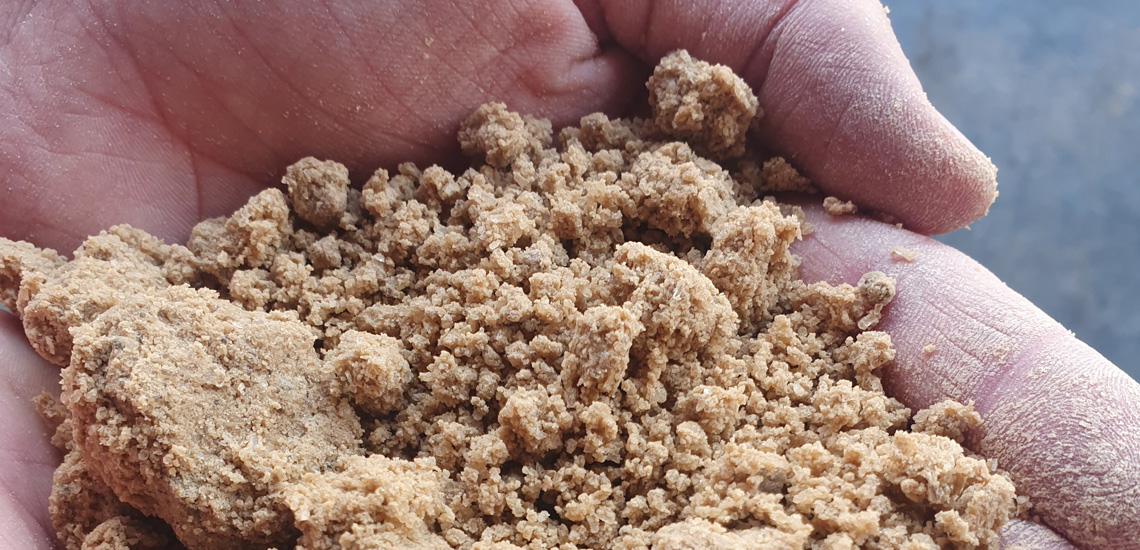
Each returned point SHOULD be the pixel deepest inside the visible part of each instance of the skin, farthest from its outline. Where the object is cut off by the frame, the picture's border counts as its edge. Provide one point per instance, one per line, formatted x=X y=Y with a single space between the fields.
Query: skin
x=160 y=115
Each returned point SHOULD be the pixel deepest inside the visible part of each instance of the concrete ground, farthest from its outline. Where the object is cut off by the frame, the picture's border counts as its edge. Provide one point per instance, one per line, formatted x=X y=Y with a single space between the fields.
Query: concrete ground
x=1050 y=90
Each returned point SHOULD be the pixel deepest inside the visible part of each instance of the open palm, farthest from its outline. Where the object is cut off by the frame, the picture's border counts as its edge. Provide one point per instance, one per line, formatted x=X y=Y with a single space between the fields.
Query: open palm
x=163 y=114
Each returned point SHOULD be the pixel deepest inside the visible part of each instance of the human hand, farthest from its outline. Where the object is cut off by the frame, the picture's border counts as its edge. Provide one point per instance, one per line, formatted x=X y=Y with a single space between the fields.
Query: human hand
x=160 y=115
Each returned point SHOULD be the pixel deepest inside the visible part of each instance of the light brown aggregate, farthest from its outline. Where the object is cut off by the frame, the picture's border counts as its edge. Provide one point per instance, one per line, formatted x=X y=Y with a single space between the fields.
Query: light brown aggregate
x=199 y=412
x=18 y=258
x=705 y=105
x=589 y=340
x=838 y=207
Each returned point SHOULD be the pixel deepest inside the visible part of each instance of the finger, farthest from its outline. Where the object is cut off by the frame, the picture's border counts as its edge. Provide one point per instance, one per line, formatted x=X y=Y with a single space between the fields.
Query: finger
x=26 y=452
x=1025 y=535
x=839 y=97
x=178 y=111
x=1058 y=416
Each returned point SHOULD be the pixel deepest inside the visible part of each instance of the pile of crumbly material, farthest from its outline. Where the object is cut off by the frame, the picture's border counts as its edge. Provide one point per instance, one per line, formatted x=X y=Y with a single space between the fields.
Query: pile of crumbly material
x=589 y=340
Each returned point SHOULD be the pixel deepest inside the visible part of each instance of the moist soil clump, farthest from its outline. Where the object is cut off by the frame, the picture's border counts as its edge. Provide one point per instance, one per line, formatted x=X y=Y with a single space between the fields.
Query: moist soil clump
x=589 y=339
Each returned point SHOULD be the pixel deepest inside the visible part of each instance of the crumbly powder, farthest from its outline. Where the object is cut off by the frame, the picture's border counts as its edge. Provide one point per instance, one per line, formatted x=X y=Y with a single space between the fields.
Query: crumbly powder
x=947 y=418
x=594 y=339
x=705 y=105
x=837 y=207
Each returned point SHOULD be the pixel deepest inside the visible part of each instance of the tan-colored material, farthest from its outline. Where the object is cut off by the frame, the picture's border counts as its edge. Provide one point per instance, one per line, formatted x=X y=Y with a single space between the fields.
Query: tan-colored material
x=705 y=105
x=837 y=207
x=596 y=344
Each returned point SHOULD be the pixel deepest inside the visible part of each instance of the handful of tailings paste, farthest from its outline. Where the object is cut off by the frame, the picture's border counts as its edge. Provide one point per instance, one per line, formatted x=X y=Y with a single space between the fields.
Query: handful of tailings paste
x=590 y=340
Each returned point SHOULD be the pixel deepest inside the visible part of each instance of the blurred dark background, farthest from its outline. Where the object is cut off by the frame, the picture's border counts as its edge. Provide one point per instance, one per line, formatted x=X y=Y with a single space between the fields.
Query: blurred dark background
x=1051 y=91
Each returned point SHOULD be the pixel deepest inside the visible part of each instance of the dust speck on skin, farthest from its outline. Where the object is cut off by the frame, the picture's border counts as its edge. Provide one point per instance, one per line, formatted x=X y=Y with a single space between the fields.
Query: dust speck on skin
x=837 y=207
x=903 y=254
x=589 y=339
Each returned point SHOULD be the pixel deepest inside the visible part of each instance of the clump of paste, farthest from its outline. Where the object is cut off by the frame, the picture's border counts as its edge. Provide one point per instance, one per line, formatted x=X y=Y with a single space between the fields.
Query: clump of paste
x=589 y=339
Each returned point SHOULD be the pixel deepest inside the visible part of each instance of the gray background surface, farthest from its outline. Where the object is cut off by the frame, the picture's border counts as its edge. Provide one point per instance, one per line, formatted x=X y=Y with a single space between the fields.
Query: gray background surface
x=1051 y=91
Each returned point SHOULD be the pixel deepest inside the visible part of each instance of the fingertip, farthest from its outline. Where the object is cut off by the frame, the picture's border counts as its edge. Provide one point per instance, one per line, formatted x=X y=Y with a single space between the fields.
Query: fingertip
x=843 y=104
x=954 y=182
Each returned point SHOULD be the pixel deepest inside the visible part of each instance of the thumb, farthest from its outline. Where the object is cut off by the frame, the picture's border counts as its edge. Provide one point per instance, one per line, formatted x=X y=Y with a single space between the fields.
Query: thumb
x=839 y=97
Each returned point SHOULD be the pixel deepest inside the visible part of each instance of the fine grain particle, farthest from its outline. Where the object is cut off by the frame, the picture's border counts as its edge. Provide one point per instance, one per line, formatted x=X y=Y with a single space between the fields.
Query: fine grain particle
x=902 y=254
x=836 y=207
